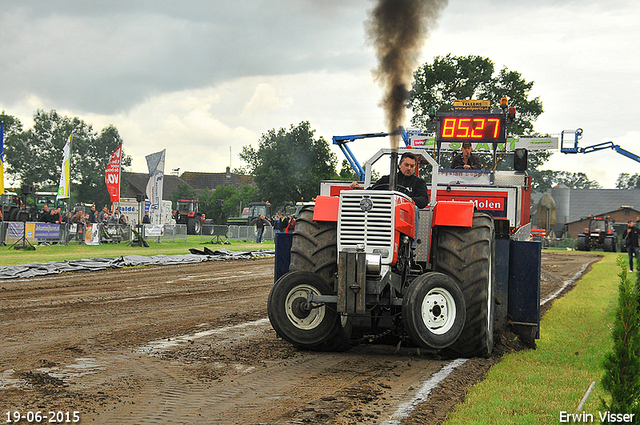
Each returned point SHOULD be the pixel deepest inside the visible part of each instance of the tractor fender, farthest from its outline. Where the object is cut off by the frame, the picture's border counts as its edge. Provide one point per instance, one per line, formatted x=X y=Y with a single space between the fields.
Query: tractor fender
x=453 y=213
x=326 y=208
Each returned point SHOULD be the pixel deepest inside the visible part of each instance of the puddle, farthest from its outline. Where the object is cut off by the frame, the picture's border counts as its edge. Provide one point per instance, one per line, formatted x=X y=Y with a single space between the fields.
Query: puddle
x=83 y=366
x=8 y=381
x=234 y=332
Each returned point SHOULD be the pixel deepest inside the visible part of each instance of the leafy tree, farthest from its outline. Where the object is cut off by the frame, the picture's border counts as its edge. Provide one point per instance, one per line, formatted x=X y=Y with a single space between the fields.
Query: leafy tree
x=183 y=191
x=449 y=78
x=346 y=172
x=546 y=179
x=289 y=165
x=627 y=181
x=436 y=85
x=12 y=126
x=34 y=156
x=225 y=201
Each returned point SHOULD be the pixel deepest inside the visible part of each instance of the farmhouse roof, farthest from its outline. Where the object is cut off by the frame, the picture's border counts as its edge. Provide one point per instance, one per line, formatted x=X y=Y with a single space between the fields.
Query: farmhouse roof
x=137 y=183
x=201 y=181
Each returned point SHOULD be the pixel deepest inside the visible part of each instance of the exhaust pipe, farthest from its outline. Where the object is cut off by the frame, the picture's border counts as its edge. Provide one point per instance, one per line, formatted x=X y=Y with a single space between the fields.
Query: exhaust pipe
x=393 y=173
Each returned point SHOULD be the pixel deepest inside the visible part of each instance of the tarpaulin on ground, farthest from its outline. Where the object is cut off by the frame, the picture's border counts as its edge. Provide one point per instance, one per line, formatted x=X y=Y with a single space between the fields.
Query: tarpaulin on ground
x=25 y=271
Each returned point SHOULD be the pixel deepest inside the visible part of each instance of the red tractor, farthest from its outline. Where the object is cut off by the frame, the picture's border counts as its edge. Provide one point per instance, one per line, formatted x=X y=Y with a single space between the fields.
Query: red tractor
x=352 y=256
x=599 y=235
x=188 y=213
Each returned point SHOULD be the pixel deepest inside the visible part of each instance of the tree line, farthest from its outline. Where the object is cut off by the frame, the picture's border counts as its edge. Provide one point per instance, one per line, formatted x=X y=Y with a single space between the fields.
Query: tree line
x=288 y=163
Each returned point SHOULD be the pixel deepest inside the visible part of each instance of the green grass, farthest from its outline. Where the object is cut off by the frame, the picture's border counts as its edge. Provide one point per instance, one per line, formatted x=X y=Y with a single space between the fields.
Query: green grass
x=73 y=251
x=534 y=386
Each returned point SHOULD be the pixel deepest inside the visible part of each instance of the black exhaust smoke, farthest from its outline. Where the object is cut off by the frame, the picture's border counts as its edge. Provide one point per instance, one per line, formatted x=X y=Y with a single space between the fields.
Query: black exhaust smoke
x=398 y=30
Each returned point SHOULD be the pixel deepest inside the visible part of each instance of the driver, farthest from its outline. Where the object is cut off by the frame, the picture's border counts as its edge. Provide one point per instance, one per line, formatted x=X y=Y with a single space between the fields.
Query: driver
x=408 y=182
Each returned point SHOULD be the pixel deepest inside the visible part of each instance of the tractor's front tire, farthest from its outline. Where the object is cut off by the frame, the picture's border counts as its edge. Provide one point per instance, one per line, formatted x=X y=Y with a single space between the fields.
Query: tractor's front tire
x=303 y=324
x=610 y=244
x=582 y=244
x=433 y=311
x=466 y=254
x=194 y=226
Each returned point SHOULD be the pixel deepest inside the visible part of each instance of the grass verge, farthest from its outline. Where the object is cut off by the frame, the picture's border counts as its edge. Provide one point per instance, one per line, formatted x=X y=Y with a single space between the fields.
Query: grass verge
x=44 y=254
x=533 y=387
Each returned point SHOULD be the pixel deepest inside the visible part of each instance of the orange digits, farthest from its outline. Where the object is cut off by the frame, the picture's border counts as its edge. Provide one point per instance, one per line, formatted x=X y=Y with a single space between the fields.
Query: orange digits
x=449 y=127
x=496 y=129
x=478 y=130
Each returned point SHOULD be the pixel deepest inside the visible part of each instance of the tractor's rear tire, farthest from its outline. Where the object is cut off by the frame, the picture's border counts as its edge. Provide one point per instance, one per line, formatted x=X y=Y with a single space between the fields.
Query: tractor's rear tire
x=466 y=254
x=582 y=244
x=433 y=311
x=314 y=246
x=194 y=226
x=305 y=326
x=314 y=249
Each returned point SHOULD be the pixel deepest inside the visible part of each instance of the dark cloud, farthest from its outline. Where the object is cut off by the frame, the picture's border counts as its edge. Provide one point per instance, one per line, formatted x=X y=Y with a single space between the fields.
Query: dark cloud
x=104 y=57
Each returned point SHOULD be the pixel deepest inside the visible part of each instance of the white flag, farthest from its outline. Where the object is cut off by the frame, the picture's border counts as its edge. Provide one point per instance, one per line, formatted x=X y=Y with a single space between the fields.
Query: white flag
x=63 y=188
x=155 y=163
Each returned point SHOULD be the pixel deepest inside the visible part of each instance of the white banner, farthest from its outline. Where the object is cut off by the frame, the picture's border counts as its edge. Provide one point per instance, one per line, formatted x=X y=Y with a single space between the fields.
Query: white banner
x=63 y=188
x=155 y=163
x=529 y=143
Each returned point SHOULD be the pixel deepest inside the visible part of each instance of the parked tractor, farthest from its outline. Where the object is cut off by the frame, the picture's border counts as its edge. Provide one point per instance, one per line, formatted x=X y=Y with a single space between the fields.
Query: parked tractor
x=250 y=214
x=15 y=208
x=599 y=235
x=188 y=213
x=443 y=281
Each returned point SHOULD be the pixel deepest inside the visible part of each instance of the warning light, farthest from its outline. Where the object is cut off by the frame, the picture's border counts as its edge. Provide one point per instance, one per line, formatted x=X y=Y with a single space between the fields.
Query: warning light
x=504 y=102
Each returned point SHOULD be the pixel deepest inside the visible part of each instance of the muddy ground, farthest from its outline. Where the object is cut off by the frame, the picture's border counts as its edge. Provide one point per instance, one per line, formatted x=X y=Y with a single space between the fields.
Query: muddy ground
x=192 y=344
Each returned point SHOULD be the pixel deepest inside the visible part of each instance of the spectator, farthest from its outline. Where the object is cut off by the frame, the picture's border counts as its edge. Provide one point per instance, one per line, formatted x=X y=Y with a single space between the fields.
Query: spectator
x=632 y=236
x=291 y=227
x=78 y=220
x=44 y=216
x=92 y=214
x=146 y=219
x=65 y=227
x=54 y=216
x=277 y=223
x=103 y=216
x=122 y=219
x=260 y=223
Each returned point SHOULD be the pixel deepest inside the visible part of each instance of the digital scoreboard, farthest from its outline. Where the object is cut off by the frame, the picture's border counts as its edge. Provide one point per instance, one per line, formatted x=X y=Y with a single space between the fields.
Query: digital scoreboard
x=476 y=128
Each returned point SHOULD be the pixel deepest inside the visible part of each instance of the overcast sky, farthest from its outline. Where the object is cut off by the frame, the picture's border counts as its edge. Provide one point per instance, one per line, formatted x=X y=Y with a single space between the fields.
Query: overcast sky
x=203 y=79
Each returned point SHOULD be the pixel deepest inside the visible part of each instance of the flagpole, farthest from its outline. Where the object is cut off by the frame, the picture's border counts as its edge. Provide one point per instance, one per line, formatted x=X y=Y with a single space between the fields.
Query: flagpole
x=70 y=148
x=120 y=169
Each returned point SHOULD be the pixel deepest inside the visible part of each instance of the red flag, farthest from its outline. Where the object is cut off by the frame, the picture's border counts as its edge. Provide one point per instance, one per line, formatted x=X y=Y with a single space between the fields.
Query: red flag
x=112 y=175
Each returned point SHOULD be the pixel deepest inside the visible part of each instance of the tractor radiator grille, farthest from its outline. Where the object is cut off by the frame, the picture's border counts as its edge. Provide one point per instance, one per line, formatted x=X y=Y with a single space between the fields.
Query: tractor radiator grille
x=372 y=229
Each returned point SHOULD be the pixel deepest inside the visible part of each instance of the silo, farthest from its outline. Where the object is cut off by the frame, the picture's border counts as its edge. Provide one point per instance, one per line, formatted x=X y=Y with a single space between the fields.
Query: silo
x=562 y=195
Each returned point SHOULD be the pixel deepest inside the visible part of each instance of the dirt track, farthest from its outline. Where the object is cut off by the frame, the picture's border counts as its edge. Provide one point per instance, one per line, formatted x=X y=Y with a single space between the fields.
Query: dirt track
x=191 y=344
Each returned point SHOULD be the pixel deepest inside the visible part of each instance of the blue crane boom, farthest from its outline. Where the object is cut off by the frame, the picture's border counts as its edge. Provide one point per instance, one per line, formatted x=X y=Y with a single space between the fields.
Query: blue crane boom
x=593 y=148
x=342 y=141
